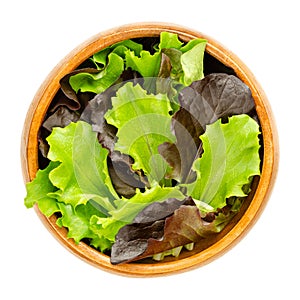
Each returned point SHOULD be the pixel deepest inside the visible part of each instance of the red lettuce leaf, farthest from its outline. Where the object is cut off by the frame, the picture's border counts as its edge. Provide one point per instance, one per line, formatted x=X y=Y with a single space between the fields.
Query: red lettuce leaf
x=61 y=117
x=164 y=226
x=124 y=179
x=74 y=101
x=132 y=239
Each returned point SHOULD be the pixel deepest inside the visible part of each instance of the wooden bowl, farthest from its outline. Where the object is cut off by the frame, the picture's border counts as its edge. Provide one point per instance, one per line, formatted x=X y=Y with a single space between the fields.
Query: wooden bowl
x=213 y=247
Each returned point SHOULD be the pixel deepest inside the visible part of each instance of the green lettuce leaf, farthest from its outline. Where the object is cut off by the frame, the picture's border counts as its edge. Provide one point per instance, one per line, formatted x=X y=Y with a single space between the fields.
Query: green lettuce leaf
x=105 y=229
x=127 y=209
x=100 y=58
x=38 y=191
x=229 y=161
x=146 y=64
x=82 y=174
x=77 y=220
x=143 y=123
x=99 y=82
x=192 y=64
x=169 y=40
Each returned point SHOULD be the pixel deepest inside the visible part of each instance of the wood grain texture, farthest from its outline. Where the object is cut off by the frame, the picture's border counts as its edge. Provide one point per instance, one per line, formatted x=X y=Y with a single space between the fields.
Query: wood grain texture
x=213 y=247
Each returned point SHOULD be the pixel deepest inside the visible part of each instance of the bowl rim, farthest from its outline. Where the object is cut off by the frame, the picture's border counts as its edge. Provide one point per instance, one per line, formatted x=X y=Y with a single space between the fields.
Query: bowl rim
x=50 y=86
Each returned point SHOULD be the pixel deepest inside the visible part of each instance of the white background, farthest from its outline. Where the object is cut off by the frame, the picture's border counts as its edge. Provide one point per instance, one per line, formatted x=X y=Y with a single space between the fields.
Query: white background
x=35 y=35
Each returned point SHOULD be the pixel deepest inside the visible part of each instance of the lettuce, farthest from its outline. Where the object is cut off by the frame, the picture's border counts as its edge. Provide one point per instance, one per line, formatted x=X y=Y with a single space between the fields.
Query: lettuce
x=100 y=81
x=112 y=61
x=146 y=64
x=100 y=58
x=82 y=174
x=143 y=122
x=216 y=96
x=186 y=60
x=77 y=220
x=150 y=164
x=163 y=228
x=187 y=66
x=39 y=189
x=77 y=185
x=127 y=209
x=229 y=161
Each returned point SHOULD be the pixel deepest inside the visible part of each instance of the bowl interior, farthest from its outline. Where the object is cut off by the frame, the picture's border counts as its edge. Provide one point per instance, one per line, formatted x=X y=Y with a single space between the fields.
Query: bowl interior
x=217 y=58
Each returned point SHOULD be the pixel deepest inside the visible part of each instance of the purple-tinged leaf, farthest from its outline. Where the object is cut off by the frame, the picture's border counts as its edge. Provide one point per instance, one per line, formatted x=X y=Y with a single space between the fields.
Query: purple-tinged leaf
x=164 y=226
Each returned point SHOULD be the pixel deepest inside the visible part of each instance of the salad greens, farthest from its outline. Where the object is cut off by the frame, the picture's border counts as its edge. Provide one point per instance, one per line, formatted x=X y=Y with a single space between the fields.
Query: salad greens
x=187 y=64
x=216 y=96
x=144 y=153
x=183 y=225
x=88 y=177
x=229 y=161
x=99 y=82
x=230 y=158
x=143 y=123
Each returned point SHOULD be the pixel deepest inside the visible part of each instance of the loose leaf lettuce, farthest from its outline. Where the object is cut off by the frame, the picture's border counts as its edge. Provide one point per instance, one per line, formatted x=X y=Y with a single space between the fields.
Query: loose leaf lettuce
x=186 y=60
x=99 y=82
x=143 y=123
x=169 y=40
x=77 y=220
x=153 y=232
x=67 y=95
x=39 y=189
x=146 y=64
x=229 y=161
x=61 y=117
x=127 y=179
x=187 y=67
x=105 y=229
x=100 y=58
x=112 y=61
x=192 y=64
x=215 y=96
x=82 y=174
x=124 y=179
x=126 y=210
